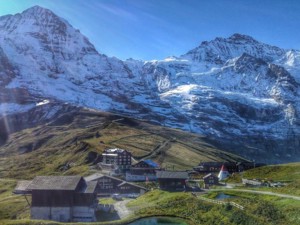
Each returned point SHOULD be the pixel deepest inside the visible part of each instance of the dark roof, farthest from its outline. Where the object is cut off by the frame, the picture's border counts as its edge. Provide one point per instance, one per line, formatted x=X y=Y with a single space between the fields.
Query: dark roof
x=172 y=174
x=93 y=177
x=54 y=183
x=22 y=186
x=210 y=174
x=97 y=176
x=131 y=184
x=91 y=187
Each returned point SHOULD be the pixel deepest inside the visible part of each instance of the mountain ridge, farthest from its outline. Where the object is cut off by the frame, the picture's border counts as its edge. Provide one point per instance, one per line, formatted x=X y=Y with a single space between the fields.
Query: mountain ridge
x=233 y=90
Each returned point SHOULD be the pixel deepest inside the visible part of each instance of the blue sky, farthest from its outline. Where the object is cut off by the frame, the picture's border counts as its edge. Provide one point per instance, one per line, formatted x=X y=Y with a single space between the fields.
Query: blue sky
x=155 y=29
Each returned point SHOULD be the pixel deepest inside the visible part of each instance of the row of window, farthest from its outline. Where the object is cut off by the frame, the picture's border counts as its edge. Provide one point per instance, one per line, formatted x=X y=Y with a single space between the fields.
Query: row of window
x=106 y=186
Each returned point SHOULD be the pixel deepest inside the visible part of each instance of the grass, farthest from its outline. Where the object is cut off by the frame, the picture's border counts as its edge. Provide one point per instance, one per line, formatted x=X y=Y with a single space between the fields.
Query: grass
x=272 y=209
x=12 y=206
x=259 y=210
x=108 y=201
x=286 y=173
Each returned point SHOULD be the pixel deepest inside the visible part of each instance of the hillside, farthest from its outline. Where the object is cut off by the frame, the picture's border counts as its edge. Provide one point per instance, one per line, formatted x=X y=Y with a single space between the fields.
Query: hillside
x=286 y=173
x=70 y=143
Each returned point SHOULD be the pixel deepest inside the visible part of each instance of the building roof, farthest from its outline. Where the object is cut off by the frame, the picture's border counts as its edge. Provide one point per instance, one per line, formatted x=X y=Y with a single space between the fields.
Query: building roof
x=54 y=183
x=91 y=187
x=151 y=163
x=110 y=154
x=223 y=168
x=210 y=174
x=93 y=177
x=97 y=176
x=131 y=184
x=172 y=174
x=22 y=187
x=223 y=174
x=114 y=150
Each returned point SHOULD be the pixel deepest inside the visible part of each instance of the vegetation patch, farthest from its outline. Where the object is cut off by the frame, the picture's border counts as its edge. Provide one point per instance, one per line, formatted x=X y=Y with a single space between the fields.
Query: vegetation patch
x=288 y=174
x=196 y=211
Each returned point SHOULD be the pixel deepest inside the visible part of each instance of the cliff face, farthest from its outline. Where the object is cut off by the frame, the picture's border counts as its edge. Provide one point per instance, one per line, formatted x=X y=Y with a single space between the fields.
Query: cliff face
x=241 y=93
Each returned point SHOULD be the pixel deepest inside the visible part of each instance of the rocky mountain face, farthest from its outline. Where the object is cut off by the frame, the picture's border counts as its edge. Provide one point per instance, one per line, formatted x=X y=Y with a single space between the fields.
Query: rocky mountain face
x=241 y=93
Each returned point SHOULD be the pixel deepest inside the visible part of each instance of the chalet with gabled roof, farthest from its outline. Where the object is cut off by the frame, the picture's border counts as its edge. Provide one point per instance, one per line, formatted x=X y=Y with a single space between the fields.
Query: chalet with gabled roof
x=172 y=180
x=107 y=185
x=61 y=198
x=144 y=170
x=127 y=188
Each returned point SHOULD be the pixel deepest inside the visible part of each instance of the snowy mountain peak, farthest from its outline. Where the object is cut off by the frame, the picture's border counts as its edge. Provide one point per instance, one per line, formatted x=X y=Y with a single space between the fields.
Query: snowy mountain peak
x=242 y=37
x=37 y=10
x=34 y=19
x=219 y=50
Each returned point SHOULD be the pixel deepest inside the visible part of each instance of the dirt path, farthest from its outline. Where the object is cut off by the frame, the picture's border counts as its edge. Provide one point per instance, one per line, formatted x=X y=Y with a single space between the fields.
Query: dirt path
x=122 y=209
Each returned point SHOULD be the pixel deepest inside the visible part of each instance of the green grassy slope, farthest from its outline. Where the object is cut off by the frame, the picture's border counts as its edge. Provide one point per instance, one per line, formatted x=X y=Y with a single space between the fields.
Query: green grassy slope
x=287 y=173
x=184 y=205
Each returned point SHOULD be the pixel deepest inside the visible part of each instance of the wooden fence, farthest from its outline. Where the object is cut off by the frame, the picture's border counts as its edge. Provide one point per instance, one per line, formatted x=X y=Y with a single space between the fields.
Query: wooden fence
x=221 y=202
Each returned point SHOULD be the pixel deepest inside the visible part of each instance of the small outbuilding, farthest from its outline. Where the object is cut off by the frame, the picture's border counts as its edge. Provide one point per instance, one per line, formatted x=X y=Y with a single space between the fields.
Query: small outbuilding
x=22 y=187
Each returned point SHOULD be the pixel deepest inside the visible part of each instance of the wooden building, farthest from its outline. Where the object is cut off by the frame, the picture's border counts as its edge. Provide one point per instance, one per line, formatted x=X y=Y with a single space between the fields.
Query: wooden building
x=126 y=188
x=144 y=170
x=107 y=185
x=118 y=160
x=172 y=180
x=62 y=198
x=210 y=180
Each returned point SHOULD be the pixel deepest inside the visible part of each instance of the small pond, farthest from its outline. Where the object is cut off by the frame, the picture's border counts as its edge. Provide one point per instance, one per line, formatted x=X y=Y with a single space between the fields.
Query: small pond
x=222 y=196
x=159 y=221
